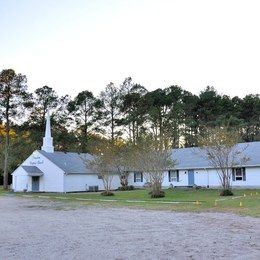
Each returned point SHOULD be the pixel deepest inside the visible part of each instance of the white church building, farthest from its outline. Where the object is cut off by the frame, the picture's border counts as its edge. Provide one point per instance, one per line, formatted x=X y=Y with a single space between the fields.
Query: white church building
x=48 y=171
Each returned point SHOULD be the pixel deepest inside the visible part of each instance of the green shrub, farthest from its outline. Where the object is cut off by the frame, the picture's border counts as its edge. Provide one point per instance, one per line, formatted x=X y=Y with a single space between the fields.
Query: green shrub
x=226 y=193
x=131 y=187
x=123 y=188
x=107 y=193
x=157 y=194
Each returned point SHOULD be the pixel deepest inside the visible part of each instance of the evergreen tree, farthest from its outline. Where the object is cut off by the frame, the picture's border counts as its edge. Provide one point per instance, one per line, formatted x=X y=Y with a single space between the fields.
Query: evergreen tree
x=84 y=109
x=13 y=96
x=44 y=99
x=250 y=113
x=110 y=111
x=132 y=109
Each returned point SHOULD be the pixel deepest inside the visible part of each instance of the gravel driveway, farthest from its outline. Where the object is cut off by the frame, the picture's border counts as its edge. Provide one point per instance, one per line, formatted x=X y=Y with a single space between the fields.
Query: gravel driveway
x=36 y=229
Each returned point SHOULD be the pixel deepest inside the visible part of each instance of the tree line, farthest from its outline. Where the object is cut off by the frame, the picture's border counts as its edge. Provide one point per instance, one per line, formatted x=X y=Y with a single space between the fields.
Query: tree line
x=127 y=112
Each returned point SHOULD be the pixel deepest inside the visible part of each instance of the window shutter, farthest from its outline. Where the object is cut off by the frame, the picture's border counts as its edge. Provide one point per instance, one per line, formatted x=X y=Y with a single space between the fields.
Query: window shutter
x=134 y=177
x=178 y=179
x=141 y=177
x=233 y=175
x=169 y=176
x=244 y=174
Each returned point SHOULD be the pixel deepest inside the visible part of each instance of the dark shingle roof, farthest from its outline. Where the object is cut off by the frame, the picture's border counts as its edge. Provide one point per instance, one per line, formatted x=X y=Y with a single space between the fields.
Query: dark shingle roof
x=32 y=169
x=194 y=158
x=186 y=158
x=69 y=162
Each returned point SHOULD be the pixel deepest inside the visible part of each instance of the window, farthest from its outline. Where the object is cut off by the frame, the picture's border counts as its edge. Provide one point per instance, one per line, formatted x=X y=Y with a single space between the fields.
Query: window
x=239 y=174
x=138 y=177
x=173 y=176
x=100 y=176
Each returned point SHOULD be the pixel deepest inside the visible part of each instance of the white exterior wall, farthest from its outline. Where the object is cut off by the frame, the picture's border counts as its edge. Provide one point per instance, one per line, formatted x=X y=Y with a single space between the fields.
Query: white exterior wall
x=51 y=180
x=183 y=179
x=54 y=179
x=136 y=184
x=20 y=180
x=81 y=182
x=204 y=178
x=211 y=178
x=252 y=178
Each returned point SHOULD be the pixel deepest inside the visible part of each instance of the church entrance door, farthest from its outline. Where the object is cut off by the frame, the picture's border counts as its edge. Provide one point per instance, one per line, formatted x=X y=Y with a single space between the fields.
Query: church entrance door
x=35 y=183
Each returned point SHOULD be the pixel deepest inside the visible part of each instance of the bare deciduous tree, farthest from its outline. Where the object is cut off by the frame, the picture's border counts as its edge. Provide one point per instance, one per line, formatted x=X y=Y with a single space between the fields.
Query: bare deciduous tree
x=101 y=164
x=223 y=153
x=122 y=160
x=112 y=158
x=153 y=159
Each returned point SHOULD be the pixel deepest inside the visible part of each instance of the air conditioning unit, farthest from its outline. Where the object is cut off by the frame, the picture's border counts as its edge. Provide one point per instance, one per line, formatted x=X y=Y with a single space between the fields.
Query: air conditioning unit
x=93 y=188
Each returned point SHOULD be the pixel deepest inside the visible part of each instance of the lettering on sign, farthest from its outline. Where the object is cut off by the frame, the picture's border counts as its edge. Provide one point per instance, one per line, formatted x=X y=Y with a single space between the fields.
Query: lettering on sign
x=36 y=160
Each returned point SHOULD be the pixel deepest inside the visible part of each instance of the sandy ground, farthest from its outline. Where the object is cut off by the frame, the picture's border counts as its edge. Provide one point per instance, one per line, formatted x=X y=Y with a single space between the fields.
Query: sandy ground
x=35 y=229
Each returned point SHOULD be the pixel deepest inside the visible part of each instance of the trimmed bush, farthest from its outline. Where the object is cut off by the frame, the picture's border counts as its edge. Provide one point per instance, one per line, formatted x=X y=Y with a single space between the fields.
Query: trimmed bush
x=157 y=194
x=122 y=188
x=107 y=193
x=131 y=187
x=226 y=193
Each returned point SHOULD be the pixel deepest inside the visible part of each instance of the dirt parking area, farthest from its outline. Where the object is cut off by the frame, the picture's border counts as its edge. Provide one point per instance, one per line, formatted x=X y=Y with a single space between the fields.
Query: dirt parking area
x=36 y=229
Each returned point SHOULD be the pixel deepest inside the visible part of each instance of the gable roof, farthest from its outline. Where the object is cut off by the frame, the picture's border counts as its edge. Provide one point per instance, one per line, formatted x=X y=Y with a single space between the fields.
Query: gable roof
x=186 y=158
x=195 y=157
x=69 y=162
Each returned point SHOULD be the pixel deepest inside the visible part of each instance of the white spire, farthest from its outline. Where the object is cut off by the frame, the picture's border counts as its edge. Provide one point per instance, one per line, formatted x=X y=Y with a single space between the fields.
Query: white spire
x=48 y=140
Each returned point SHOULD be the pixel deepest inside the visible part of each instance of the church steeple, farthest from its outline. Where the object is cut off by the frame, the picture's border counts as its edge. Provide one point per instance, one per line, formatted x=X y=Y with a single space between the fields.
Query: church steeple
x=47 y=139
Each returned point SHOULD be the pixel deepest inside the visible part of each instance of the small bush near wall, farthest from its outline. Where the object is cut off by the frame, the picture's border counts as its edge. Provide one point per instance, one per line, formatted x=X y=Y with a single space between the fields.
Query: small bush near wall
x=226 y=193
x=107 y=193
x=157 y=194
x=123 y=188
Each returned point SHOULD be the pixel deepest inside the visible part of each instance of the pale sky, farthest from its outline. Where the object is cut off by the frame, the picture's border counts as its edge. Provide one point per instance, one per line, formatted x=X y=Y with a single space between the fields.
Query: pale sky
x=75 y=45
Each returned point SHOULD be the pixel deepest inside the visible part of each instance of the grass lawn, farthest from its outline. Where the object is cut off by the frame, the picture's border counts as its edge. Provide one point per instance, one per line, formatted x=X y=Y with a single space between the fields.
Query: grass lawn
x=2 y=191
x=244 y=202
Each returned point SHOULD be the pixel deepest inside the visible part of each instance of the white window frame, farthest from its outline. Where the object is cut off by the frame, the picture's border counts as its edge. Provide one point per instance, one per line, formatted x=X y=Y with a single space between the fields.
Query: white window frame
x=173 y=176
x=138 y=176
x=239 y=174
